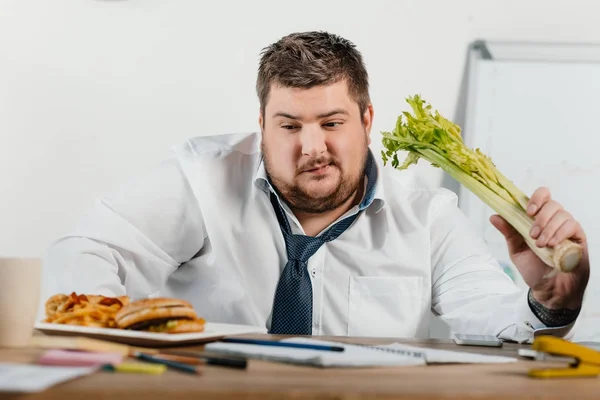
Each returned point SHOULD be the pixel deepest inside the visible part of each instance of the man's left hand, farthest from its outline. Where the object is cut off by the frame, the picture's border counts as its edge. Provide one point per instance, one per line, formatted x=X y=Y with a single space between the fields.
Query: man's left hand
x=552 y=225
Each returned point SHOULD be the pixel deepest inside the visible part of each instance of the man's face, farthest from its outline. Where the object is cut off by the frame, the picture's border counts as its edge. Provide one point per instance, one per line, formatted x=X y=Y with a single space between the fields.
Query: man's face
x=315 y=145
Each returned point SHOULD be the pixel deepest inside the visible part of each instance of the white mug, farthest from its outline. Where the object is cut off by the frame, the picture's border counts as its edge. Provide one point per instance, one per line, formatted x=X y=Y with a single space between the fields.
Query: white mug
x=20 y=280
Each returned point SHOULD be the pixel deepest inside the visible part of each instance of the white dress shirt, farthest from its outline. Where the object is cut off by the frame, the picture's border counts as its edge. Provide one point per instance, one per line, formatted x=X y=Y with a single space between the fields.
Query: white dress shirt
x=200 y=227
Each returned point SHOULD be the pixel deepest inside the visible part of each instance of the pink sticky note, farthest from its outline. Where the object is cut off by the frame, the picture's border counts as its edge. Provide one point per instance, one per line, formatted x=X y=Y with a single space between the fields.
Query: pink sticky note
x=79 y=358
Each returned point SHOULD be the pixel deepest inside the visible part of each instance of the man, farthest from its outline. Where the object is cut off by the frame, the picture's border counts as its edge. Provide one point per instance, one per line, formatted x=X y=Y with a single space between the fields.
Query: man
x=300 y=229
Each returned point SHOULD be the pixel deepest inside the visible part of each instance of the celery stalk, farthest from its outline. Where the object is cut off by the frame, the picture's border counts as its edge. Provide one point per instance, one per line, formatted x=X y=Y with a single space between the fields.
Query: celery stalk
x=430 y=136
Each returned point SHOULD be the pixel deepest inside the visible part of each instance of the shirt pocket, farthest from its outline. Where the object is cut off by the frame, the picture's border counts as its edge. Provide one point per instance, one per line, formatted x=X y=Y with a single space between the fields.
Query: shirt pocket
x=385 y=306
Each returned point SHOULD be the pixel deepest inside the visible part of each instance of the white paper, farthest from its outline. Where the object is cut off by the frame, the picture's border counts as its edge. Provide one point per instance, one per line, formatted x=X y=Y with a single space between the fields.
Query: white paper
x=591 y=345
x=28 y=378
x=352 y=356
x=435 y=356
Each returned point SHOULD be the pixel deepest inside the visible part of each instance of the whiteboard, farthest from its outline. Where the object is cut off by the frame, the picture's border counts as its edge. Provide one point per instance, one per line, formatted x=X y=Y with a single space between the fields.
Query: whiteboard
x=534 y=109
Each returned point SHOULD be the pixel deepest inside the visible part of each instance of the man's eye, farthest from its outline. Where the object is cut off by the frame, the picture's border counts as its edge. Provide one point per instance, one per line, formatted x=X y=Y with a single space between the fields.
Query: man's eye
x=332 y=124
x=289 y=127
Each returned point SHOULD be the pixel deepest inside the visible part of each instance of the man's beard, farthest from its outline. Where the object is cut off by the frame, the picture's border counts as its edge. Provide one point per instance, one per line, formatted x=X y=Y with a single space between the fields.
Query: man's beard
x=297 y=198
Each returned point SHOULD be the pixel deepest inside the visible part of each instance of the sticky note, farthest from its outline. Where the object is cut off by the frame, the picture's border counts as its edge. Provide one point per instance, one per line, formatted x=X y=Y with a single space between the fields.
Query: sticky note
x=79 y=358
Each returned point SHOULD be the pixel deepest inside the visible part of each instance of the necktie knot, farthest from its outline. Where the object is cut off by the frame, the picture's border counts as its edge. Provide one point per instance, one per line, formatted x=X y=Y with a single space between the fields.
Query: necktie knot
x=301 y=248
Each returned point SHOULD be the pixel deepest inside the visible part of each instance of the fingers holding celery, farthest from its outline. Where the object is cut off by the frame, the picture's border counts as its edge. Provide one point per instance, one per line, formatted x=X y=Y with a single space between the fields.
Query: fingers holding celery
x=552 y=226
x=540 y=234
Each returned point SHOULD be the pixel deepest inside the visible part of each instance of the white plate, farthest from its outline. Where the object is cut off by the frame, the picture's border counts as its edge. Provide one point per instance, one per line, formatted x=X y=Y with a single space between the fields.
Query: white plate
x=212 y=332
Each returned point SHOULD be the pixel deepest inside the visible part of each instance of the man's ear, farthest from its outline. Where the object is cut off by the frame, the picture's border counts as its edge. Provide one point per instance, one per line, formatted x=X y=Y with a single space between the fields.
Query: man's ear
x=260 y=120
x=367 y=120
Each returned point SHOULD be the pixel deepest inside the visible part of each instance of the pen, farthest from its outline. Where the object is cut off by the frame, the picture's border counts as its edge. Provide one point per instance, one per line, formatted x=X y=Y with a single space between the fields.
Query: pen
x=154 y=369
x=196 y=358
x=168 y=363
x=283 y=344
x=202 y=360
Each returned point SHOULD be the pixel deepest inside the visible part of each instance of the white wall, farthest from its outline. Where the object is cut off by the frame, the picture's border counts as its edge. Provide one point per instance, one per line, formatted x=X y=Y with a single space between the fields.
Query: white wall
x=92 y=92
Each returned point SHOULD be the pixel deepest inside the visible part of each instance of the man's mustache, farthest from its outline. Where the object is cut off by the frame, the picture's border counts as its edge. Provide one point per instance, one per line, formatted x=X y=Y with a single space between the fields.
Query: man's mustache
x=316 y=163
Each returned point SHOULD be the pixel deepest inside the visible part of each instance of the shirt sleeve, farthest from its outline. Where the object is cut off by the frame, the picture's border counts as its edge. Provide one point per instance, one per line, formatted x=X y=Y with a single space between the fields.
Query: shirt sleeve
x=130 y=241
x=470 y=291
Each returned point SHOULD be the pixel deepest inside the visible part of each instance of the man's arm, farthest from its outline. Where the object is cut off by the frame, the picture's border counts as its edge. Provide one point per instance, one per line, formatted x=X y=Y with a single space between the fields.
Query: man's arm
x=470 y=291
x=131 y=241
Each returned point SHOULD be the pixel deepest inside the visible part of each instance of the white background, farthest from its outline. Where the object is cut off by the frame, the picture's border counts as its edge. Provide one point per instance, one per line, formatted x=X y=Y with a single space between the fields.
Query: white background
x=92 y=92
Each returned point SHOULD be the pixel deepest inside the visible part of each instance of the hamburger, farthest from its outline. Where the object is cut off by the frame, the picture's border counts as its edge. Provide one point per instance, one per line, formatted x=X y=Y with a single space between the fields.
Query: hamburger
x=164 y=315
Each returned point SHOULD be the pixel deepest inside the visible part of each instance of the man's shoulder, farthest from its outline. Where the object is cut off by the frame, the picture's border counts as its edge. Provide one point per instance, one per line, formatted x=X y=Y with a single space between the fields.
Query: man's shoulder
x=211 y=146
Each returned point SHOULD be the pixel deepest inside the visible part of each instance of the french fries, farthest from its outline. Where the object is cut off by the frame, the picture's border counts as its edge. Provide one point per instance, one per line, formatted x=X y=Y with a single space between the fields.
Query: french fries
x=84 y=310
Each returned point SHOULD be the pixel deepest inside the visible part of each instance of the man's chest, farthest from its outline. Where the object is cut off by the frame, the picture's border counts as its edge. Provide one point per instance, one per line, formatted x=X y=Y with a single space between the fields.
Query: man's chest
x=372 y=279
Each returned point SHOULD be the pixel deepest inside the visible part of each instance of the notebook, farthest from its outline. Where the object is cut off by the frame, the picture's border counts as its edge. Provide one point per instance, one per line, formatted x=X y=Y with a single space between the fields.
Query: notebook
x=436 y=356
x=353 y=355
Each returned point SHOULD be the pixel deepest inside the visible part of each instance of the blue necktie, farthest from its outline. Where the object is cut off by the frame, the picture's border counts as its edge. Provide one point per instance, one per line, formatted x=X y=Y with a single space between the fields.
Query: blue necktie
x=293 y=302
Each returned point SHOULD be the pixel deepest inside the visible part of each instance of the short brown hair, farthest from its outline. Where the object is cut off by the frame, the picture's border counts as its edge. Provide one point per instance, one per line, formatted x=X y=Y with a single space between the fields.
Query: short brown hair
x=307 y=59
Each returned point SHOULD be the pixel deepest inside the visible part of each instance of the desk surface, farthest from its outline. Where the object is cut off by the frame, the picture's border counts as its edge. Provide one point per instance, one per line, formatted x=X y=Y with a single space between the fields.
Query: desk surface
x=264 y=380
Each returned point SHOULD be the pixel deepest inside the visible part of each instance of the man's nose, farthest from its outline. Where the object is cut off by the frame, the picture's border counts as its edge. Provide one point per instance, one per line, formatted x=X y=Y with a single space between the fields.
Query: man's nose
x=313 y=142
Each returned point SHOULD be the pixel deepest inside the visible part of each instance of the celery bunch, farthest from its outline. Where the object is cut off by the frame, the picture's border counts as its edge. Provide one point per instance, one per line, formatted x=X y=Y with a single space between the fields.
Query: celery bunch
x=430 y=136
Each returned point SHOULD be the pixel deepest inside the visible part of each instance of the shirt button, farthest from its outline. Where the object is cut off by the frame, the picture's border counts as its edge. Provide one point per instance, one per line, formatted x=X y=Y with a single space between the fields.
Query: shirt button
x=313 y=272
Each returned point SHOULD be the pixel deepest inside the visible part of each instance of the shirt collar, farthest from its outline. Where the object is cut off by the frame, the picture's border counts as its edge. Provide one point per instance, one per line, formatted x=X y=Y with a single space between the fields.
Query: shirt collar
x=373 y=194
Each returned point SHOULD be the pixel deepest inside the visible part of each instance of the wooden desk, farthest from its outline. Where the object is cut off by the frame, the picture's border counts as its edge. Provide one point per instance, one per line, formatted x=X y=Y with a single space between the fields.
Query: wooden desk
x=264 y=380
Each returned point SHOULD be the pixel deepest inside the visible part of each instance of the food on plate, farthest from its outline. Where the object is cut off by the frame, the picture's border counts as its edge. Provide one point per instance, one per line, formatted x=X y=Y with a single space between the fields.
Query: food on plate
x=164 y=315
x=84 y=309
x=430 y=136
